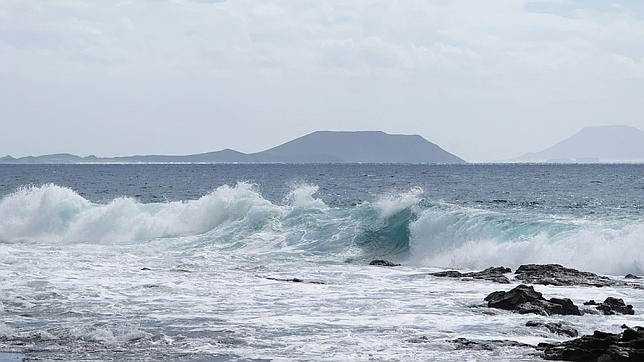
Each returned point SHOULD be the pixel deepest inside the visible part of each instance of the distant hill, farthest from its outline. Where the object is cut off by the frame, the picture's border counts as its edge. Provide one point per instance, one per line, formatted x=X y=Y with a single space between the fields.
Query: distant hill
x=316 y=147
x=617 y=144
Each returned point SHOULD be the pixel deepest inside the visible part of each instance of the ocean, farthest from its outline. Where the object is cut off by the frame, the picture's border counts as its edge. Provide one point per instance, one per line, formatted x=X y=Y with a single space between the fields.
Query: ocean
x=196 y=262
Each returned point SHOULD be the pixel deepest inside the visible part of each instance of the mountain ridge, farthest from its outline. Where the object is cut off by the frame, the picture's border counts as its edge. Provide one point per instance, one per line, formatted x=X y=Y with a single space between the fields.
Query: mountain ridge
x=315 y=147
x=593 y=144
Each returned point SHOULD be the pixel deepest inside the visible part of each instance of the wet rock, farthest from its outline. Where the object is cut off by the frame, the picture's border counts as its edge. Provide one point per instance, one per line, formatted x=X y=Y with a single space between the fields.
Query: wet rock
x=421 y=339
x=486 y=345
x=558 y=275
x=632 y=276
x=295 y=280
x=524 y=299
x=560 y=328
x=612 y=306
x=494 y=274
x=448 y=274
x=383 y=263
x=231 y=341
x=600 y=346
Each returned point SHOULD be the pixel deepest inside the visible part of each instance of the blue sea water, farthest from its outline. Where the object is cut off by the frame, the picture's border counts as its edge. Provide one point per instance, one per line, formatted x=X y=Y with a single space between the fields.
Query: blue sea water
x=171 y=261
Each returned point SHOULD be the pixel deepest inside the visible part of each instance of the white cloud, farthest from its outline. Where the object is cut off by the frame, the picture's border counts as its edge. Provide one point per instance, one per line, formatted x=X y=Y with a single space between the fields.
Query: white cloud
x=459 y=72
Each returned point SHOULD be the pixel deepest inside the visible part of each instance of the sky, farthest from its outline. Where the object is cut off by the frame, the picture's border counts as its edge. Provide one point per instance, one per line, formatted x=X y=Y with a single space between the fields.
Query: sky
x=487 y=80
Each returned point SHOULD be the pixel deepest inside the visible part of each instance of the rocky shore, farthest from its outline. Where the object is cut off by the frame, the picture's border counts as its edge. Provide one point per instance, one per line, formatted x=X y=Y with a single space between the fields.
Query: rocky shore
x=600 y=346
x=627 y=345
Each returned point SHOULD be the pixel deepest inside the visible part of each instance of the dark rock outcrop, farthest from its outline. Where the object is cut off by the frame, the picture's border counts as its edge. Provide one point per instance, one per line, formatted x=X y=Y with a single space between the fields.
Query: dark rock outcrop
x=421 y=339
x=600 y=346
x=558 y=275
x=560 y=328
x=383 y=263
x=632 y=276
x=295 y=280
x=612 y=306
x=486 y=345
x=494 y=274
x=524 y=299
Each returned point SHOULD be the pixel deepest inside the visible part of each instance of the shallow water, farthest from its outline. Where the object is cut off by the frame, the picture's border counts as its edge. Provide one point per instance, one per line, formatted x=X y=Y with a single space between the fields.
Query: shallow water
x=73 y=246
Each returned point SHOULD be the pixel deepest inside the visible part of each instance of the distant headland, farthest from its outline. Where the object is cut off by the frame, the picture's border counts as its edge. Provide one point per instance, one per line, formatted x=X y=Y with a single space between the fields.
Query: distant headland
x=316 y=147
x=602 y=144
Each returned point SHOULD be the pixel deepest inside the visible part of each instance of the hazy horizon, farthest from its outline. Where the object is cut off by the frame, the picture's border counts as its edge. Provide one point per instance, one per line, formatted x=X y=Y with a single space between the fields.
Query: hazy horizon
x=486 y=83
x=612 y=144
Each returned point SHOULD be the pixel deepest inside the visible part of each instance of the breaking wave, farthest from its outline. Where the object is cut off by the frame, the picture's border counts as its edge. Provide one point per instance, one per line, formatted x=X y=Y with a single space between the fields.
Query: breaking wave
x=55 y=213
x=406 y=227
x=465 y=238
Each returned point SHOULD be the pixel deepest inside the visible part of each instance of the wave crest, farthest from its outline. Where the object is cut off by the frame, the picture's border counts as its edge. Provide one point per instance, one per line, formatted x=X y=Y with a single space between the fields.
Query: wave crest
x=461 y=238
x=400 y=226
x=52 y=212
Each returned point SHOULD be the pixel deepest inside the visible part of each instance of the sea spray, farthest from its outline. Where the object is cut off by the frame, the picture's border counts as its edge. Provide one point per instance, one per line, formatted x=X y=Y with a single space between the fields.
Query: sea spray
x=58 y=214
x=405 y=226
x=460 y=237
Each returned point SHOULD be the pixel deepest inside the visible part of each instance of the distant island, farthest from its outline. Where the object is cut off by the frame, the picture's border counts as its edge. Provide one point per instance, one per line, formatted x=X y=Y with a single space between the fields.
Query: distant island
x=316 y=147
x=603 y=144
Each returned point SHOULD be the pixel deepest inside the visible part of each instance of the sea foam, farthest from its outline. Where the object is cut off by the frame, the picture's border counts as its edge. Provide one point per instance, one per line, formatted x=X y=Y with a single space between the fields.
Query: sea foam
x=405 y=226
x=55 y=213
x=465 y=238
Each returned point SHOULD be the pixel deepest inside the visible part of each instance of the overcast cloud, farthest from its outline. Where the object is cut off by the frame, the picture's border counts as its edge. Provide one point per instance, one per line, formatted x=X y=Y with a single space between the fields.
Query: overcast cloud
x=487 y=80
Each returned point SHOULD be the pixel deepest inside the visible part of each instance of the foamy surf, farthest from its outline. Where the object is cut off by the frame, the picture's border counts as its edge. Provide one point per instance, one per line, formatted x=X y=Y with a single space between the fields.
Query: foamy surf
x=406 y=226
x=280 y=268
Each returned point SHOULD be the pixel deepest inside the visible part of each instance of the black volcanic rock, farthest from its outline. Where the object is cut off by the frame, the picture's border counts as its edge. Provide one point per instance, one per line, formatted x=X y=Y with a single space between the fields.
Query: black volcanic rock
x=558 y=275
x=494 y=274
x=448 y=274
x=383 y=263
x=421 y=339
x=612 y=306
x=524 y=299
x=295 y=280
x=600 y=346
x=560 y=328
x=485 y=345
